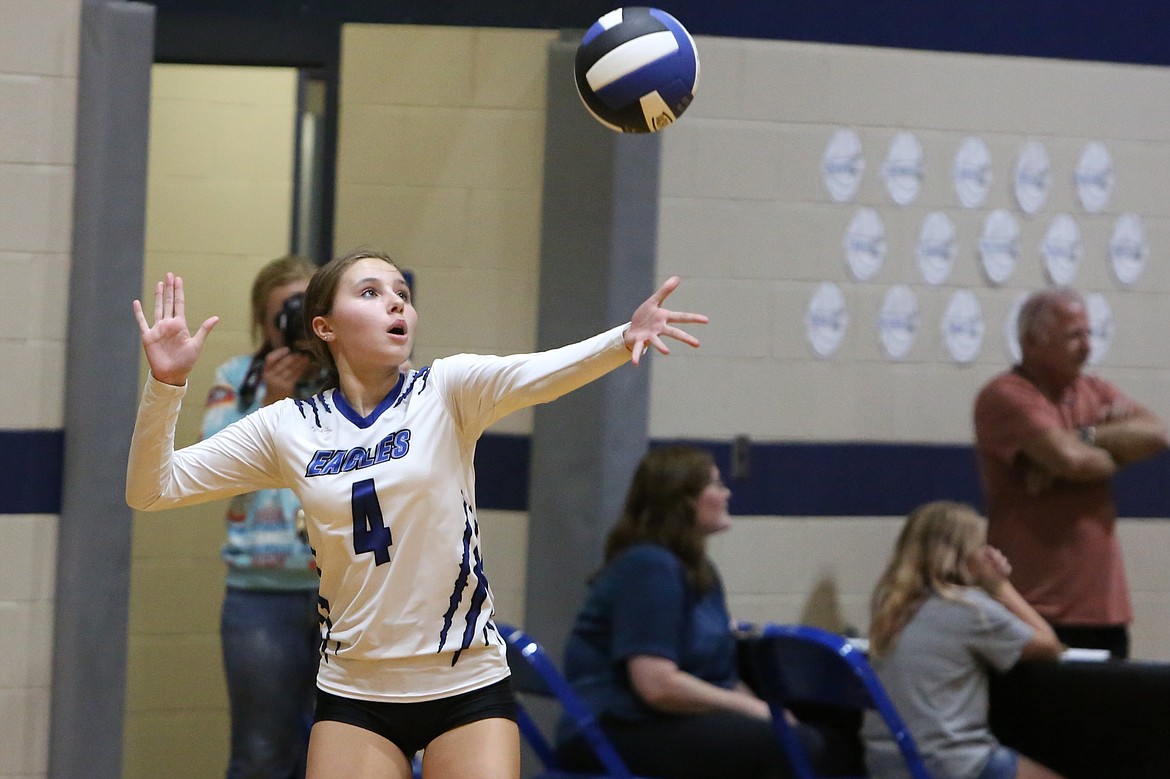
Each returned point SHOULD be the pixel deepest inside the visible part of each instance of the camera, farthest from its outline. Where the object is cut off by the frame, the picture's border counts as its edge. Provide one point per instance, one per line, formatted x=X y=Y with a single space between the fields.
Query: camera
x=290 y=321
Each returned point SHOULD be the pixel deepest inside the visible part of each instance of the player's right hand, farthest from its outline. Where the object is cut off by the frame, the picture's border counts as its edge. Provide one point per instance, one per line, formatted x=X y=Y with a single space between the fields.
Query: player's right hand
x=171 y=350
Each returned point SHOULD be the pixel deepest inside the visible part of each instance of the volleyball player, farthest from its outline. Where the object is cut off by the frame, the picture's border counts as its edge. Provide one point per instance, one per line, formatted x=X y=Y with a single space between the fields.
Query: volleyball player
x=382 y=465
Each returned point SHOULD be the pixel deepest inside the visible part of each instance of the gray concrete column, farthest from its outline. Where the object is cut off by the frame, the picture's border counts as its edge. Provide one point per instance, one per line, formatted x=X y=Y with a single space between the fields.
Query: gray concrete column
x=101 y=393
x=598 y=234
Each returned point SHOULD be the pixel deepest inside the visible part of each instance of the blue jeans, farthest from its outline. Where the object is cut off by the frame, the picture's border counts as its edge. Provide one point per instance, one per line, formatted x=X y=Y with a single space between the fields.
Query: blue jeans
x=270 y=654
x=1003 y=764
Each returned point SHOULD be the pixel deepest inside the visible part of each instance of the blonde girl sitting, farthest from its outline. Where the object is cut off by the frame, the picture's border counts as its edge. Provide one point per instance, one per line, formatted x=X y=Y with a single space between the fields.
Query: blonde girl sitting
x=943 y=615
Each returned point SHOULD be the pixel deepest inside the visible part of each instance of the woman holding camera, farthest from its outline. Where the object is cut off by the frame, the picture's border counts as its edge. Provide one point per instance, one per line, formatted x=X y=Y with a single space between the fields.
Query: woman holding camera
x=268 y=625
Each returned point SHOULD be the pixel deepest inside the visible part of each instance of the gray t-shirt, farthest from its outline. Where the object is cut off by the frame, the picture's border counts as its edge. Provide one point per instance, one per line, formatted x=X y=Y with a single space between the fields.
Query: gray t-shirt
x=936 y=675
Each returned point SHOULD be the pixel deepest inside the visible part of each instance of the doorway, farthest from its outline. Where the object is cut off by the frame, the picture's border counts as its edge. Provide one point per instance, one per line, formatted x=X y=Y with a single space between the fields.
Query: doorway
x=234 y=180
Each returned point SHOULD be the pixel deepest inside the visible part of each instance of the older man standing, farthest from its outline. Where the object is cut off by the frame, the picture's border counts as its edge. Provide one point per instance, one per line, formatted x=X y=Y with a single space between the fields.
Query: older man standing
x=1049 y=439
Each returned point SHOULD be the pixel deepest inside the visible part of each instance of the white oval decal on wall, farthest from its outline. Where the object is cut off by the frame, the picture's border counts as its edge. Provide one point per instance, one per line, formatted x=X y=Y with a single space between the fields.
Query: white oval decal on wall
x=842 y=165
x=898 y=321
x=902 y=169
x=826 y=318
x=1032 y=177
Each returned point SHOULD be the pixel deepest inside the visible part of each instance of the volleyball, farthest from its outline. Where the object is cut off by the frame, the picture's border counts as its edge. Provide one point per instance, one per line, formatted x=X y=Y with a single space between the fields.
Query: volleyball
x=637 y=70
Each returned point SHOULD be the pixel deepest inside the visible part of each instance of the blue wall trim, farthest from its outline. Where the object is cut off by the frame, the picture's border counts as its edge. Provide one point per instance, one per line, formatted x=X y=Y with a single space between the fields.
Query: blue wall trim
x=829 y=479
x=306 y=32
x=1130 y=32
x=1142 y=488
x=785 y=479
x=30 y=471
x=848 y=479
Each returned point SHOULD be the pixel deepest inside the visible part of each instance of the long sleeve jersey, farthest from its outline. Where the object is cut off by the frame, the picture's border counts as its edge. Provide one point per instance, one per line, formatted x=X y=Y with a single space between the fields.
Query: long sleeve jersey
x=389 y=501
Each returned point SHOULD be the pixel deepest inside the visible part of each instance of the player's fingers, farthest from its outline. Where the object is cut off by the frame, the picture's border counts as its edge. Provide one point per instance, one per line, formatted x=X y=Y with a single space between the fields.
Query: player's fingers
x=139 y=317
x=180 y=298
x=664 y=291
x=681 y=335
x=636 y=351
x=169 y=296
x=687 y=316
x=205 y=329
x=158 y=301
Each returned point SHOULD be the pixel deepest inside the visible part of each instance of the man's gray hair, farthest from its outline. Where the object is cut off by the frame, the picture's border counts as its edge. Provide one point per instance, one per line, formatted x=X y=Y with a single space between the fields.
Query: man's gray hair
x=1039 y=310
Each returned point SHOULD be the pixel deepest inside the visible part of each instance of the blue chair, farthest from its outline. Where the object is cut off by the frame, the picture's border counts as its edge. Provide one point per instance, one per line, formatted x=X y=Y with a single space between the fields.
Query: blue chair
x=533 y=673
x=799 y=664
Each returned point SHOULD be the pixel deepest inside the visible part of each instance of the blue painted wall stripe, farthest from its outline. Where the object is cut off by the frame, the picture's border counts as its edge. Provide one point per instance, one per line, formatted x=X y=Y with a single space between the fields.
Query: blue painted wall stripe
x=830 y=479
x=848 y=479
x=214 y=31
x=785 y=479
x=30 y=471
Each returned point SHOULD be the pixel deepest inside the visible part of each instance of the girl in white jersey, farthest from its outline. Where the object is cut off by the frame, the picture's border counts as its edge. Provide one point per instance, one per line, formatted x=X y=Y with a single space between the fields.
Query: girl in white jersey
x=382 y=465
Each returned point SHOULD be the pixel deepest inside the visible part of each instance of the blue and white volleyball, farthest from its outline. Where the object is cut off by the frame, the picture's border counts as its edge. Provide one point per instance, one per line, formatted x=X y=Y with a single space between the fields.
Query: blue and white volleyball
x=637 y=70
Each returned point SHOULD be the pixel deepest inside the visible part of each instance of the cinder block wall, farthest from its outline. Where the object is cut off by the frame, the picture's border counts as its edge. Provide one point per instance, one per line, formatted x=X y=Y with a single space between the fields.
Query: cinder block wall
x=749 y=223
x=38 y=88
x=440 y=161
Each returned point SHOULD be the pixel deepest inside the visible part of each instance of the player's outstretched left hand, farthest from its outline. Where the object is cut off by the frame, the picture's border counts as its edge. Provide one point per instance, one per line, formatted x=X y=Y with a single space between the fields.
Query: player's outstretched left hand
x=651 y=322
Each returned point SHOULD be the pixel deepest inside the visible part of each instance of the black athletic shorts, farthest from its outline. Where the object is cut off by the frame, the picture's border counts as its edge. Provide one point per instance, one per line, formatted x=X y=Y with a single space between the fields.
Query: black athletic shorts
x=411 y=726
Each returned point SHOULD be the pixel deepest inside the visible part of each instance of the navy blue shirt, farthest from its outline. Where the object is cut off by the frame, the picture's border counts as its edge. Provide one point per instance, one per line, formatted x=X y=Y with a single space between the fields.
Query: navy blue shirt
x=641 y=604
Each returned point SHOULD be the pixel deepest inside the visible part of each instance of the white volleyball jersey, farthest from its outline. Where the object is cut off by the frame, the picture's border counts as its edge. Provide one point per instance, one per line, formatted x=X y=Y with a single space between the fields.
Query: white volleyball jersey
x=389 y=500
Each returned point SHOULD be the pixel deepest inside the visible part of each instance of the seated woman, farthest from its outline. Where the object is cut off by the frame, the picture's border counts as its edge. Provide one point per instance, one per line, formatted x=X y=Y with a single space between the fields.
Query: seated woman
x=652 y=650
x=944 y=613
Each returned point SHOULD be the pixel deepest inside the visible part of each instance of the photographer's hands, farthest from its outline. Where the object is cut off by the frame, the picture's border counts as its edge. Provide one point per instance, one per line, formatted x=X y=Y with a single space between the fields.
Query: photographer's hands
x=283 y=368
